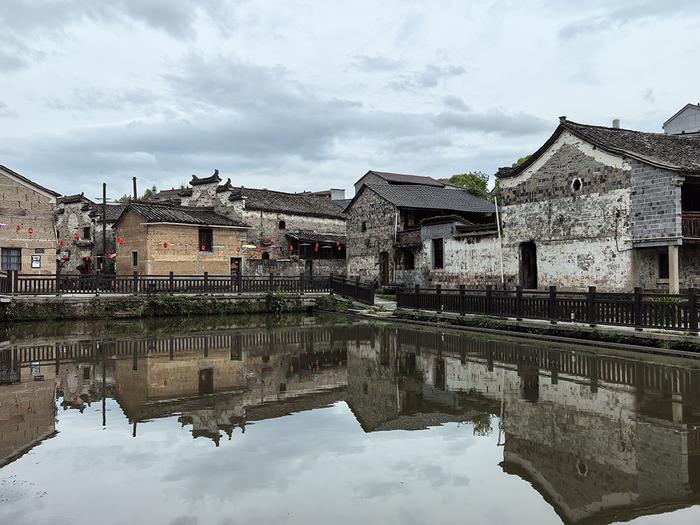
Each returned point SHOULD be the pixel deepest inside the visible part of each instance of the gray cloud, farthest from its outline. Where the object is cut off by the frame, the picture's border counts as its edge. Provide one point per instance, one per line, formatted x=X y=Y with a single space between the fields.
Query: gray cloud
x=377 y=64
x=428 y=77
x=455 y=103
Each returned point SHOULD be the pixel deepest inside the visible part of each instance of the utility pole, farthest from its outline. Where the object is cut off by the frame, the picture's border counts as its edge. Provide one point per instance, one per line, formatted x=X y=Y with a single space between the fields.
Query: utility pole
x=104 y=226
x=133 y=180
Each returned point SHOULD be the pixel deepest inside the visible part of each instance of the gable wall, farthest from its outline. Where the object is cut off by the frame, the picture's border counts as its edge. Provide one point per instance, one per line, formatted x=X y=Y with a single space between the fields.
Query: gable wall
x=583 y=237
x=23 y=207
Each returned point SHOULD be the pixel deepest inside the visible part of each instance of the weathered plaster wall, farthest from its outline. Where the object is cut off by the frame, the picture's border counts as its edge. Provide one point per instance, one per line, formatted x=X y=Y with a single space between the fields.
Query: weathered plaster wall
x=21 y=208
x=363 y=249
x=583 y=236
x=647 y=261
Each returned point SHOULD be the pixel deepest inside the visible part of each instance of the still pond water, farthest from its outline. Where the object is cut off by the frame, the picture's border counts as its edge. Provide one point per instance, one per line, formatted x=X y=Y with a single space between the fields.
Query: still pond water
x=312 y=420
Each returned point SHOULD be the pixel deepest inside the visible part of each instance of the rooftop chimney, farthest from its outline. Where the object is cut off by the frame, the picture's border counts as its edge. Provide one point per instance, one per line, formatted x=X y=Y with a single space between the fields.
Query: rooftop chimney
x=562 y=119
x=616 y=123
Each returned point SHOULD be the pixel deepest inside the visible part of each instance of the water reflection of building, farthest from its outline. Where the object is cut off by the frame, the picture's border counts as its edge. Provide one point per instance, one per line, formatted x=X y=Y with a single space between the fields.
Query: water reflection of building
x=602 y=439
x=27 y=413
x=220 y=383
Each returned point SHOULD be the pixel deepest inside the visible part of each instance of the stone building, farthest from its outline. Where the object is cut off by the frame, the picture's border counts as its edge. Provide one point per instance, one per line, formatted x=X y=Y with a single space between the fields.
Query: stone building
x=289 y=233
x=386 y=220
x=603 y=206
x=157 y=238
x=82 y=248
x=27 y=232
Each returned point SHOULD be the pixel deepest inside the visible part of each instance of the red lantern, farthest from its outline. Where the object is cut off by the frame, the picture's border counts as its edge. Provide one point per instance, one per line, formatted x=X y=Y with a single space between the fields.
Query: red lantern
x=65 y=258
x=62 y=243
x=260 y=249
x=76 y=236
x=204 y=247
x=238 y=249
x=337 y=245
x=120 y=241
x=31 y=230
x=19 y=227
x=291 y=248
x=318 y=246
x=165 y=245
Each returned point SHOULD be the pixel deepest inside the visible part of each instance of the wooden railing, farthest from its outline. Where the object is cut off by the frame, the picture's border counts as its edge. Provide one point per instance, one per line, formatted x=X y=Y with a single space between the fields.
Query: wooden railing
x=23 y=284
x=353 y=288
x=639 y=309
x=691 y=224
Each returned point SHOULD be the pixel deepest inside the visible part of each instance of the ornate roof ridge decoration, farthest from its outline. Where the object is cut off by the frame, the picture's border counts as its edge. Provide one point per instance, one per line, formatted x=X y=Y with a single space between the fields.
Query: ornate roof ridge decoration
x=214 y=178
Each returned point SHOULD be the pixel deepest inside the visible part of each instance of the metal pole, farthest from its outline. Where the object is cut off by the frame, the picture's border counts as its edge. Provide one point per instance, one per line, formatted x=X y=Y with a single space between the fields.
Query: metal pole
x=133 y=180
x=500 y=239
x=104 y=226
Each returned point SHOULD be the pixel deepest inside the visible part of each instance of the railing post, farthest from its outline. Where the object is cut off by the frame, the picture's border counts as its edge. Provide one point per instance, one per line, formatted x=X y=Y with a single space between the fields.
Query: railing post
x=637 y=308
x=519 y=303
x=136 y=283
x=14 y=280
x=239 y=277
x=417 y=291
x=171 y=282
x=301 y=282
x=489 y=298
x=57 y=283
x=271 y=285
x=553 y=305
x=438 y=297
x=590 y=303
x=206 y=282
x=692 y=311
x=462 y=294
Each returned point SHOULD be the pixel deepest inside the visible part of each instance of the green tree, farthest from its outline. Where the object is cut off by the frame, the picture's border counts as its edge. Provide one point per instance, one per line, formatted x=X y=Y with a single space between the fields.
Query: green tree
x=149 y=192
x=520 y=161
x=475 y=182
x=124 y=199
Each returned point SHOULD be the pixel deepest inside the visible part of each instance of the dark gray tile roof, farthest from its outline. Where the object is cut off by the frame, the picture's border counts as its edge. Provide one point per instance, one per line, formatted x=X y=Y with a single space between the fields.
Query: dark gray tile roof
x=431 y=198
x=295 y=203
x=313 y=236
x=342 y=203
x=401 y=178
x=205 y=180
x=157 y=212
x=672 y=152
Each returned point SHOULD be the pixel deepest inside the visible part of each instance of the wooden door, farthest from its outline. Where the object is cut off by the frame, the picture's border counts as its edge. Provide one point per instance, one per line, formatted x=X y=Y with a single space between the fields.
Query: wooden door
x=528 y=265
x=384 y=268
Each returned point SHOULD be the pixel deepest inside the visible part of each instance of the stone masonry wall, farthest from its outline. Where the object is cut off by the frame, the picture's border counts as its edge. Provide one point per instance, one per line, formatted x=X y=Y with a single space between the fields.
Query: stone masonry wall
x=363 y=249
x=71 y=219
x=22 y=208
x=656 y=206
x=582 y=236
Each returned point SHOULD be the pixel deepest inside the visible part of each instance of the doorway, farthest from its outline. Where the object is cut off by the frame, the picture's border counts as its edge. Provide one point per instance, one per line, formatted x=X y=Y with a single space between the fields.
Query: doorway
x=206 y=381
x=384 y=268
x=235 y=265
x=528 y=265
x=308 y=269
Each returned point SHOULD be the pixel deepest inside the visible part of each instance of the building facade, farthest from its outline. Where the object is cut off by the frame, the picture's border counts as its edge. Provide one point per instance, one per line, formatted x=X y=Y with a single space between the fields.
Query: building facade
x=289 y=233
x=155 y=239
x=605 y=207
x=387 y=226
x=27 y=232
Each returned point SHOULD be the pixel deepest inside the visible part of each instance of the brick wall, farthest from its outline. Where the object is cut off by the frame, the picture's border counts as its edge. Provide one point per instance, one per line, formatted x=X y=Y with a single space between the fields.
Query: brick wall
x=656 y=205
x=22 y=208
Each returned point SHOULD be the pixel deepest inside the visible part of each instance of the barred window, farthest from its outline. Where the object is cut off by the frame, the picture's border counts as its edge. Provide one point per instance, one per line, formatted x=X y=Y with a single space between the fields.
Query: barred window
x=11 y=259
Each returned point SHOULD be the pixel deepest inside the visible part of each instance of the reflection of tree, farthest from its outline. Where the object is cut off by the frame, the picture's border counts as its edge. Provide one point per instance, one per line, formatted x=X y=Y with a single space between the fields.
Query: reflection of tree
x=482 y=423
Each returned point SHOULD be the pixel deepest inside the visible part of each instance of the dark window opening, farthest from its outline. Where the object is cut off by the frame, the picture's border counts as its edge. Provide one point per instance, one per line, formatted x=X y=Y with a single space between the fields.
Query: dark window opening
x=134 y=258
x=206 y=240
x=283 y=387
x=265 y=358
x=663 y=265
x=364 y=226
x=577 y=185
x=86 y=373
x=266 y=256
x=11 y=259
x=690 y=197
x=282 y=225
x=409 y=260
x=365 y=388
x=438 y=254
x=86 y=232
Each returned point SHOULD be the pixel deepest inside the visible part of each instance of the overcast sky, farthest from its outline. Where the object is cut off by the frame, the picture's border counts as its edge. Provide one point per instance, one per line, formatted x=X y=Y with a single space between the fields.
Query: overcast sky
x=296 y=95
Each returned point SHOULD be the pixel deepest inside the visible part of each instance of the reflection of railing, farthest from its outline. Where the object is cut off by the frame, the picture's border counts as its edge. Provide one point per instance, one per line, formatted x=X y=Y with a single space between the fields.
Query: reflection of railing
x=9 y=366
x=691 y=224
x=354 y=288
x=25 y=284
x=638 y=309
